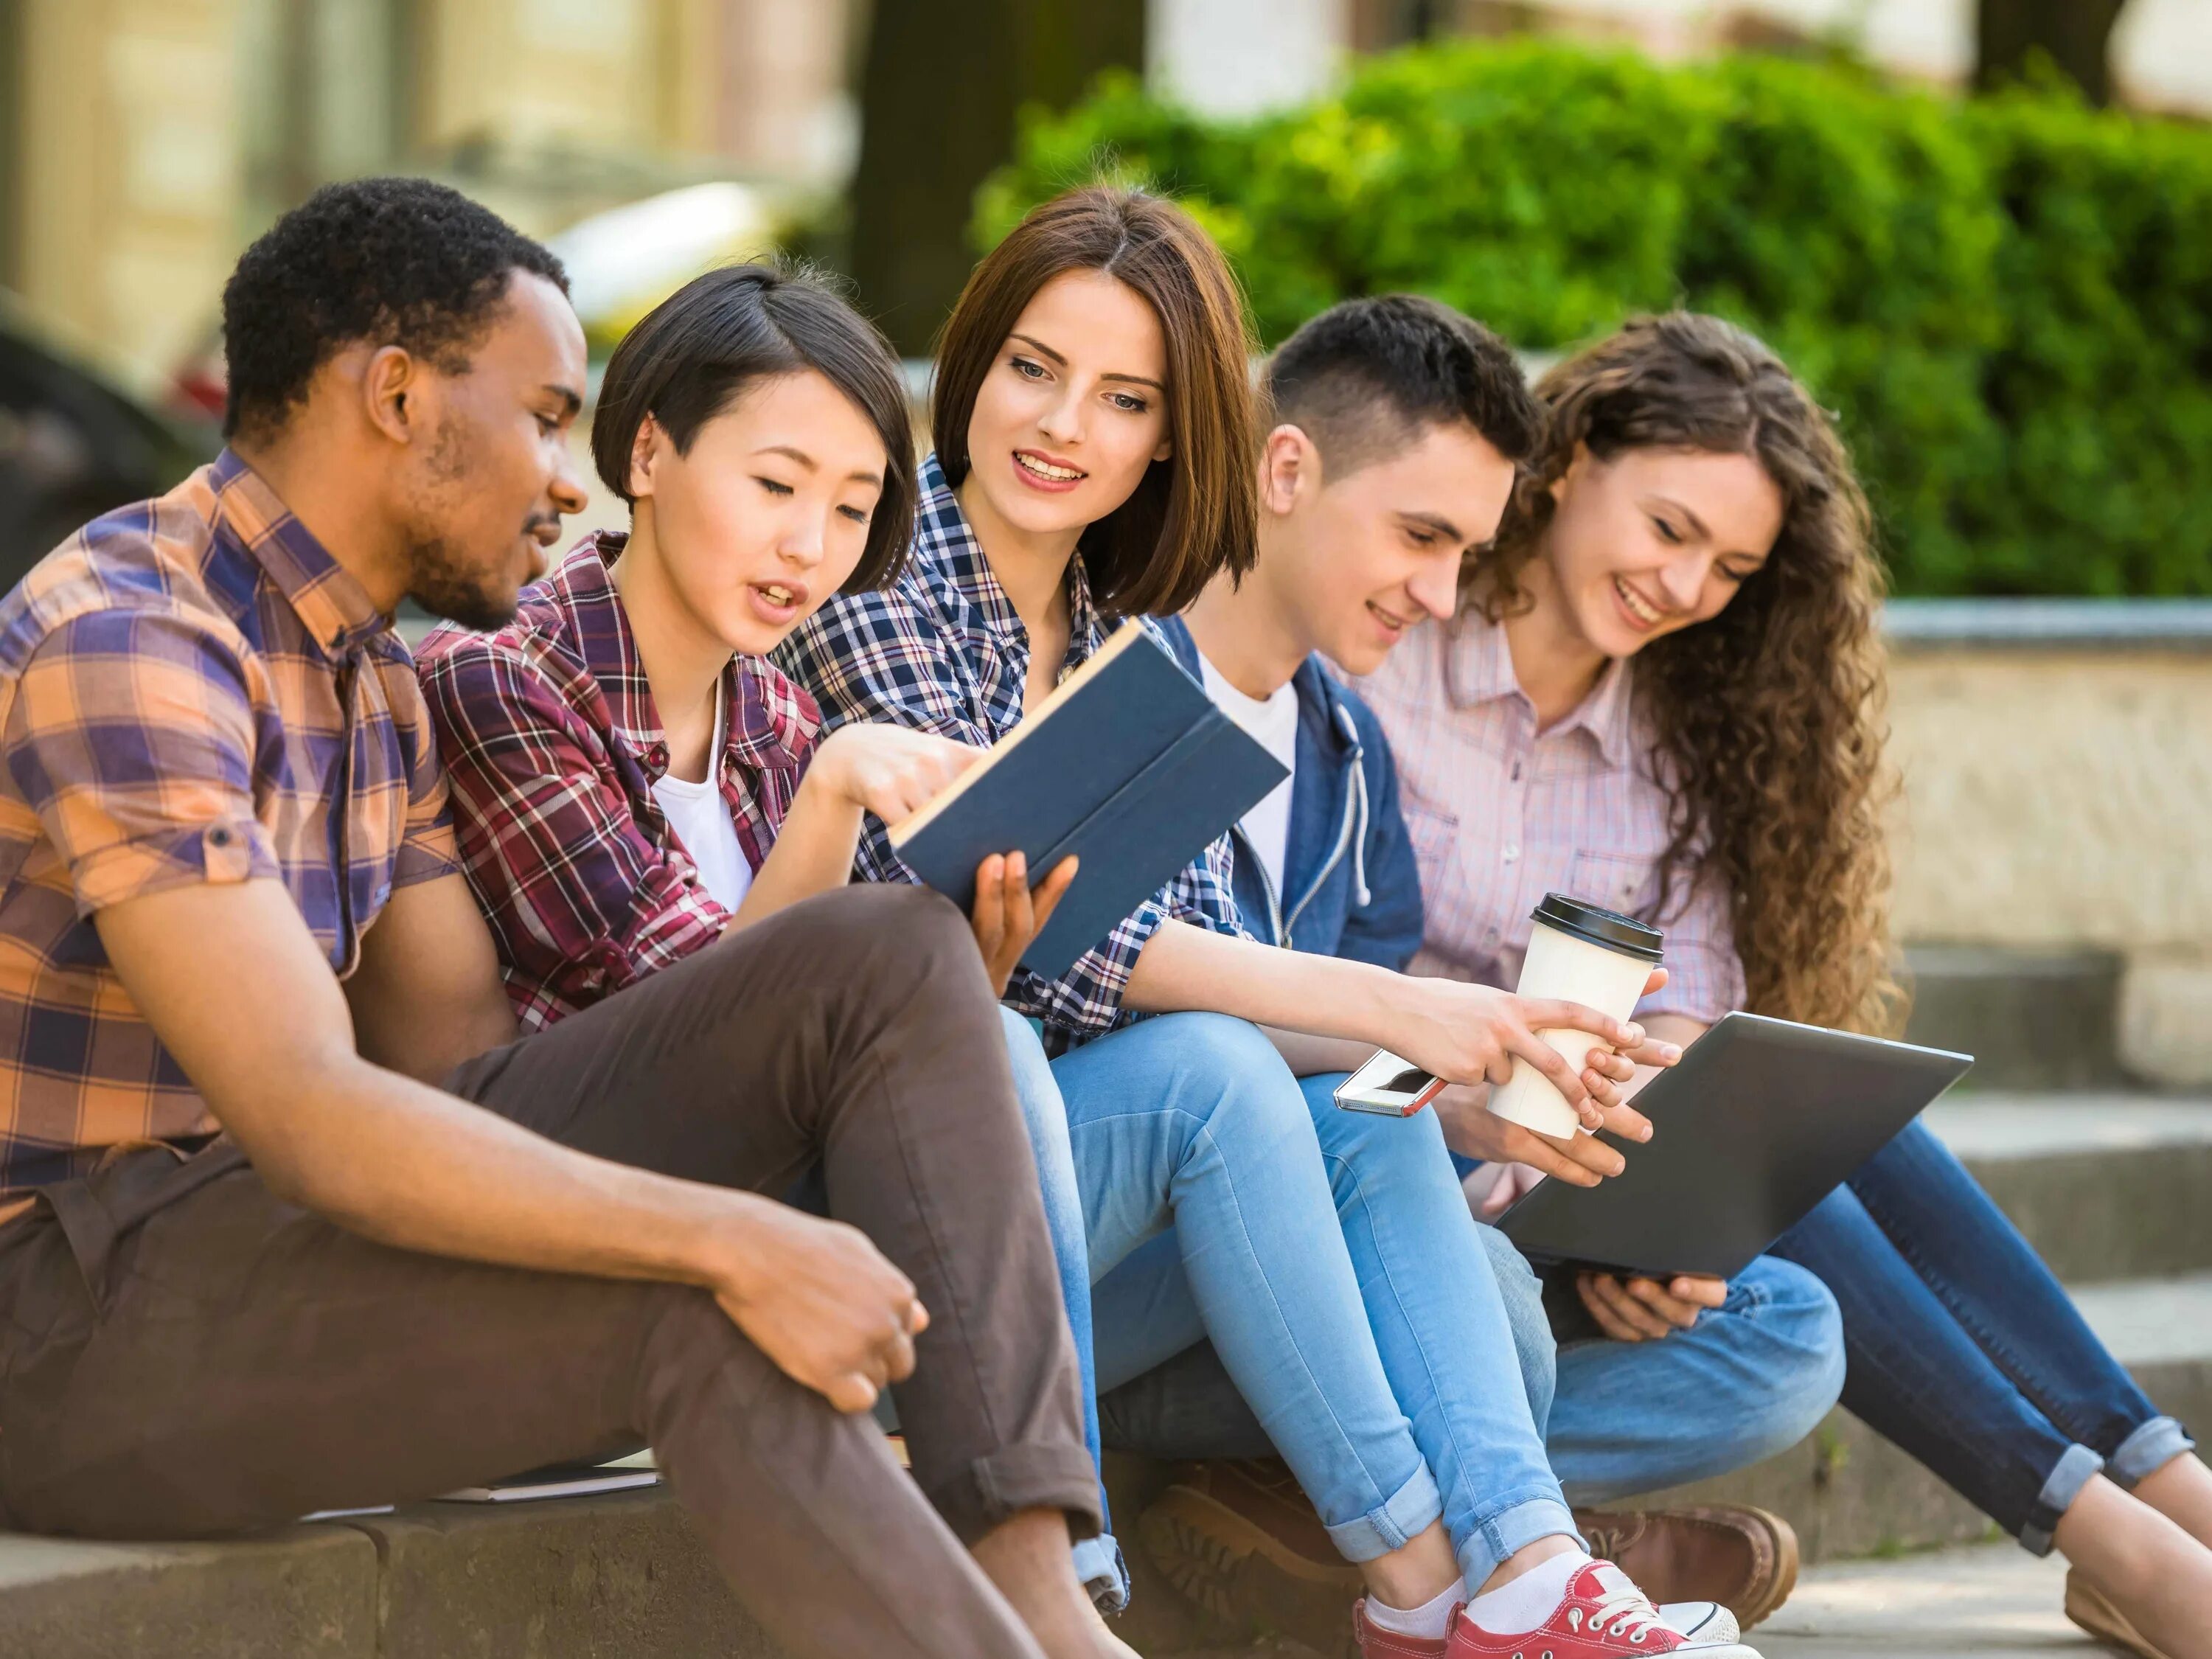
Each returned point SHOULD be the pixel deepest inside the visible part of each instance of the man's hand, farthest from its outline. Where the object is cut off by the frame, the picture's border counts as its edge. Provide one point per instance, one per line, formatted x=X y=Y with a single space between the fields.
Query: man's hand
x=1008 y=914
x=1469 y=1034
x=888 y=770
x=1642 y=1309
x=819 y=1299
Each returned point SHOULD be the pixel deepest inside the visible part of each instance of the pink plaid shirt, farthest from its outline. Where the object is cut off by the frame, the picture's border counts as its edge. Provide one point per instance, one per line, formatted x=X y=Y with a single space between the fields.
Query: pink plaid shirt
x=554 y=745
x=1501 y=814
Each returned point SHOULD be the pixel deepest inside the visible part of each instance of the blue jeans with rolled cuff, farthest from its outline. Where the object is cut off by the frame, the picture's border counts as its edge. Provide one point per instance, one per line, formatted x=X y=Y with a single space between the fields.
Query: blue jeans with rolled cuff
x=1330 y=1258
x=1750 y=1379
x=1962 y=1347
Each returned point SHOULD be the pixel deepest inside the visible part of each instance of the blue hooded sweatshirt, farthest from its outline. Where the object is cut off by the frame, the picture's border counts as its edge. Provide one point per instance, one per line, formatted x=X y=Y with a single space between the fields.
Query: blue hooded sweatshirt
x=1351 y=886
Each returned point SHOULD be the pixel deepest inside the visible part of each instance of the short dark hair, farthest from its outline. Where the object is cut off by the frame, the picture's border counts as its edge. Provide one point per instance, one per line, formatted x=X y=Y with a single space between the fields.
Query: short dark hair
x=401 y=262
x=698 y=352
x=1194 y=514
x=1366 y=376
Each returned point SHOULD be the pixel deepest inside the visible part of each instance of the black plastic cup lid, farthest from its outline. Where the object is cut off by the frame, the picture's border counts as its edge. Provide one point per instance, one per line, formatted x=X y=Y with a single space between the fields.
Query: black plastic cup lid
x=1599 y=926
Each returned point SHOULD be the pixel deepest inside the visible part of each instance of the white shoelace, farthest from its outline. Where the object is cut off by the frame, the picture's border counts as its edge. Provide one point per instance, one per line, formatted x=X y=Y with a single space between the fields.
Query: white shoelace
x=1624 y=1610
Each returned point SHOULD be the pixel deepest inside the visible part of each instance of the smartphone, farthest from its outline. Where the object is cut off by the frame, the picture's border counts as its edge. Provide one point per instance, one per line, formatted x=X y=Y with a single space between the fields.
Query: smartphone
x=1388 y=1085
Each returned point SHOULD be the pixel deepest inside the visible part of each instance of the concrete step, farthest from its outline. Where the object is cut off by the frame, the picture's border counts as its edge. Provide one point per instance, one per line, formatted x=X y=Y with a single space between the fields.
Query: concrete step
x=1993 y=1600
x=2104 y=1186
x=618 y=1576
x=2030 y=1019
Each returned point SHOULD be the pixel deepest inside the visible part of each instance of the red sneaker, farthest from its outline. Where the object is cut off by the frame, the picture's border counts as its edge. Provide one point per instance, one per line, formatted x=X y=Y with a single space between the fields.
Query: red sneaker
x=1389 y=1645
x=1603 y=1616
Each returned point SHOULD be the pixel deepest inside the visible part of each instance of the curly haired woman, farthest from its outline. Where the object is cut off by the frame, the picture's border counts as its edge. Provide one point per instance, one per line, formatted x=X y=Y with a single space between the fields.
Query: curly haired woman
x=1663 y=690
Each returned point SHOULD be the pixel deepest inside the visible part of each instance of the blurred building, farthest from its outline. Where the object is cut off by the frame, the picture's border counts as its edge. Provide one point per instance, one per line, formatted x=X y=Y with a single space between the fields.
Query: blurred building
x=142 y=142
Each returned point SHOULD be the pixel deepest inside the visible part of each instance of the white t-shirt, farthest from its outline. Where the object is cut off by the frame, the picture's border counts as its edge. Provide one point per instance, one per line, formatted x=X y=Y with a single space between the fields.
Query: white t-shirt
x=702 y=821
x=1273 y=725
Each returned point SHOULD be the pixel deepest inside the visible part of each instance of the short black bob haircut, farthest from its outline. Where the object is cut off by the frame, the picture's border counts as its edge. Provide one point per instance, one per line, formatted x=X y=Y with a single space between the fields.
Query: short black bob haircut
x=1366 y=376
x=398 y=262
x=700 y=349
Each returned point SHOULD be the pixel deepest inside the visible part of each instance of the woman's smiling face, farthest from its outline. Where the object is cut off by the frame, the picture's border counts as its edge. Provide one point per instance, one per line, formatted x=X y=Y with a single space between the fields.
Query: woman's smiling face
x=1654 y=541
x=1075 y=411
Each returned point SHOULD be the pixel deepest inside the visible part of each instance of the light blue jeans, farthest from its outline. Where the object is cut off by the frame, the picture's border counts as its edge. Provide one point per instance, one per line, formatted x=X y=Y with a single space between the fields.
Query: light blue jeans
x=1330 y=1258
x=1752 y=1378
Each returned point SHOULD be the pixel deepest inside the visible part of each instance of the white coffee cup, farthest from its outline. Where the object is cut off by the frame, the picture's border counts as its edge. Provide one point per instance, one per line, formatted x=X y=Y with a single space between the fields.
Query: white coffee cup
x=1578 y=953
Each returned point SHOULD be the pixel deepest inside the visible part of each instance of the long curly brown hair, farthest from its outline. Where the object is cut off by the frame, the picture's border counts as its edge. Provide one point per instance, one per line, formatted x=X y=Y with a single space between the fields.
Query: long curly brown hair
x=1770 y=717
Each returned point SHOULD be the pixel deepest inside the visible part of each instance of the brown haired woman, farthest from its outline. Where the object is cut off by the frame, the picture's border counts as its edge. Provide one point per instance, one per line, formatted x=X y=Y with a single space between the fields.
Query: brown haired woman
x=1664 y=689
x=1096 y=455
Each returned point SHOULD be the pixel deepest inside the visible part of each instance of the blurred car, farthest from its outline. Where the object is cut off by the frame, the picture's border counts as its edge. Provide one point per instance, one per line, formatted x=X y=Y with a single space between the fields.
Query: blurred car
x=75 y=441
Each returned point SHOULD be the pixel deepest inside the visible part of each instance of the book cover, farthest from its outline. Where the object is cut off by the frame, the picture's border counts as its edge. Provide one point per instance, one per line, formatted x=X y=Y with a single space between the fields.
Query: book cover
x=1128 y=765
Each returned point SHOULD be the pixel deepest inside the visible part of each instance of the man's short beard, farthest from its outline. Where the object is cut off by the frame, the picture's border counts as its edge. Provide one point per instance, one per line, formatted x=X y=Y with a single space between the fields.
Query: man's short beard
x=442 y=586
x=438 y=581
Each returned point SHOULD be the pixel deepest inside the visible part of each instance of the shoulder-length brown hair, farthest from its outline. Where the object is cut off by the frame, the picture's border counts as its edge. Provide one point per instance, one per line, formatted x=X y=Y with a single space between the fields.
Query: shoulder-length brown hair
x=1194 y=514
x=1770 y=716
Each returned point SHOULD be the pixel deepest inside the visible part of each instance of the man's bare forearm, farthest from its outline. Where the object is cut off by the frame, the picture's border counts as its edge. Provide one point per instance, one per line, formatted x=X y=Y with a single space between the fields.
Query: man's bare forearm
x=1184 y=968
x=1308 y=1055
x=379 y=1154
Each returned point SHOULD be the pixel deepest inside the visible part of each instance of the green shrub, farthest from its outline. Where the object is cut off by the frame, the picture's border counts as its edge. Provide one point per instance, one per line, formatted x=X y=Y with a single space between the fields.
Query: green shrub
x=2009 y=302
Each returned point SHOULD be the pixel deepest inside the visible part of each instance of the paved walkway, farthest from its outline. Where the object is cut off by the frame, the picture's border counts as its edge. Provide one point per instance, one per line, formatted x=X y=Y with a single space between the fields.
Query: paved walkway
x=1994 y=1600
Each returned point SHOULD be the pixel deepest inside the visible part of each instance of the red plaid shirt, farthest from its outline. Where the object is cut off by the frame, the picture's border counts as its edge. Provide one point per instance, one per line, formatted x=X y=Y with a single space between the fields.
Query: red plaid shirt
x=553 y=746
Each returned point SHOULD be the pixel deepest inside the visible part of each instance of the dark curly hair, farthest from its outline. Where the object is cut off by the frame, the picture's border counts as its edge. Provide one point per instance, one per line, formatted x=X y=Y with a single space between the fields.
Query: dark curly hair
x=1769 y=716
x=399 y=261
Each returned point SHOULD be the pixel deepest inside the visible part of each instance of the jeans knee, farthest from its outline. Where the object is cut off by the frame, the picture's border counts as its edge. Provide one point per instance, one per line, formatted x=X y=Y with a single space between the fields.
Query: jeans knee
x=1800 y=1353
x=1523 y=1293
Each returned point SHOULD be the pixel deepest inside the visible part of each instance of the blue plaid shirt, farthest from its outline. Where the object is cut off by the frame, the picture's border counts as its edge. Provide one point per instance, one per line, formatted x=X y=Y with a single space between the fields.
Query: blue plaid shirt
x=942 y=651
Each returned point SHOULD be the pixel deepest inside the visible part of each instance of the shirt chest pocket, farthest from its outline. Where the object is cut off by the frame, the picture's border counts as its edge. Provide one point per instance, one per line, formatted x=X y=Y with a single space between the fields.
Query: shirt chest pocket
x=1626 y=882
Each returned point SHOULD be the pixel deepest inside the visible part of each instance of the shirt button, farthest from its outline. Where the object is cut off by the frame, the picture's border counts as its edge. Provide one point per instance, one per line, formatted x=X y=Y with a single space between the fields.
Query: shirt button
x=1512 y=851
x=1492 y=936
x=219 y=837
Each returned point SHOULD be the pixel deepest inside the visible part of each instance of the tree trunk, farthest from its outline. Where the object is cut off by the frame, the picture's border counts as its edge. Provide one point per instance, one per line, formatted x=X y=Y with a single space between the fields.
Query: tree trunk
x=941 y=90
x=2075 y=36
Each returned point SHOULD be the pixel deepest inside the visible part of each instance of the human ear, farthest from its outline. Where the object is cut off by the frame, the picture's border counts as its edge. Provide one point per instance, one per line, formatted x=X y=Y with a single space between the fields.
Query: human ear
x=1166 y=450
x=644 y=452
x=1581 y=461
x=1287 y=460
x=391 y=389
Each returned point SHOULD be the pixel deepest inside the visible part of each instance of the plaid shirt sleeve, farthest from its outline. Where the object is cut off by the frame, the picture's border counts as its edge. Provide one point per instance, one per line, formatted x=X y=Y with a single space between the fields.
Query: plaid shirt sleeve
x=874 y=657
x=581 y=900
x=132 y=734
x=428 y=849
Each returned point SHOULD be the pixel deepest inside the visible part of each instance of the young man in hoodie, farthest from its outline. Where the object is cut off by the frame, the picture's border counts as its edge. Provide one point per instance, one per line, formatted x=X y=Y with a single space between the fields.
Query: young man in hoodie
x=1394 y=419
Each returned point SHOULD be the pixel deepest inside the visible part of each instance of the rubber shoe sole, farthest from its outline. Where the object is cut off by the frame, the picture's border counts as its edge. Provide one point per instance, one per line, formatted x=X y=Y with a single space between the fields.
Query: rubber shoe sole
x=1238 y=1572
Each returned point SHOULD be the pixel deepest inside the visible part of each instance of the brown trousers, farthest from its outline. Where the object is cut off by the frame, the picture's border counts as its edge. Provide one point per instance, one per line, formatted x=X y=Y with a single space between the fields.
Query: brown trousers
x=187 y=1356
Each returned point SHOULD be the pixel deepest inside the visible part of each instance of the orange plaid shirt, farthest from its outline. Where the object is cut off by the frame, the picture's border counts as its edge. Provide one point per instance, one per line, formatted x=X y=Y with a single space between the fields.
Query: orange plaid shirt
x=188 y=687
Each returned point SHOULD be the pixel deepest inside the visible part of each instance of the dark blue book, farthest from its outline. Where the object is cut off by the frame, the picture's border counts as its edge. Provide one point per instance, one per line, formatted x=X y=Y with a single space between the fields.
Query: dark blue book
x=1128 y=765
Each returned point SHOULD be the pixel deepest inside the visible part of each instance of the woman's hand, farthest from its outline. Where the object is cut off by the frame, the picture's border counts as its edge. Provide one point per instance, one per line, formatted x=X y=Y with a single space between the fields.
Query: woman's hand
x=888 y=770
x=1643 y=1309
x=1469 y=1034
x=1472 y=1130
x=1008 y=914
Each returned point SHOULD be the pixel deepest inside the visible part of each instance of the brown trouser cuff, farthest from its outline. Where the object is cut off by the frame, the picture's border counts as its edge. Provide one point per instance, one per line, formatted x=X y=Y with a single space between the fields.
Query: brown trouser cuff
x=1038 y=1475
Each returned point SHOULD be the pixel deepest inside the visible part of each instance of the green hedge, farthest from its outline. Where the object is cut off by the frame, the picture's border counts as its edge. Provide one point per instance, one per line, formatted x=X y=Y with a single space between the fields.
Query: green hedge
x=2008 y=300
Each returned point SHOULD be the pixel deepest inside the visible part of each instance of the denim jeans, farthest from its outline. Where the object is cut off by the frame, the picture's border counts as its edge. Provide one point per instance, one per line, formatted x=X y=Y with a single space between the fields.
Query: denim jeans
x=1331 y=1259
x=1752 y=1377
x=1964 y=1350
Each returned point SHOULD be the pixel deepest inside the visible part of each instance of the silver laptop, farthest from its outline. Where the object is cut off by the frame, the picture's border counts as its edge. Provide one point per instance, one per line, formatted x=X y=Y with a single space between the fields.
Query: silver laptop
x=1761 y=1121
